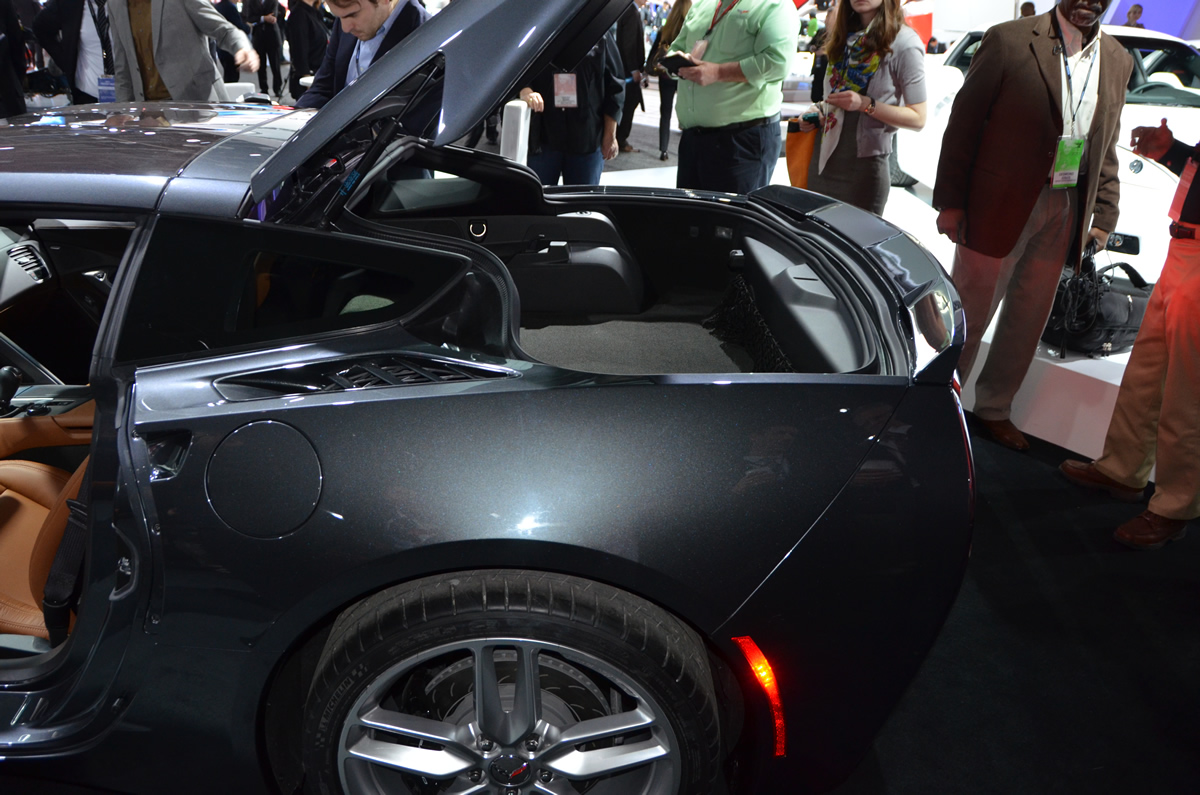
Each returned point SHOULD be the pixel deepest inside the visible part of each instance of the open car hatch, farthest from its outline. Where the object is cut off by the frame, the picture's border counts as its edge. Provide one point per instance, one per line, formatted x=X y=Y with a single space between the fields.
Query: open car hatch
x=467 y=80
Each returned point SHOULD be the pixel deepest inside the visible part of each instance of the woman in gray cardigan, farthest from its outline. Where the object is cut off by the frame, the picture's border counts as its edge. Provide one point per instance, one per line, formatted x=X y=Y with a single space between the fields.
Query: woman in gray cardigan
x=874 y=85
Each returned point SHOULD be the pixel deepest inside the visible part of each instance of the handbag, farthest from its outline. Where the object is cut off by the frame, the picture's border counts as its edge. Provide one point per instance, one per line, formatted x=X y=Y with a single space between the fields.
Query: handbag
x=1095 y=312
x=799 y=153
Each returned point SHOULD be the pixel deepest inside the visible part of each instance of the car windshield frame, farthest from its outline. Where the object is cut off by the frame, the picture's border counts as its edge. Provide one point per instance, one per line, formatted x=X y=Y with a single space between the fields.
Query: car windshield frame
x=1148 y=55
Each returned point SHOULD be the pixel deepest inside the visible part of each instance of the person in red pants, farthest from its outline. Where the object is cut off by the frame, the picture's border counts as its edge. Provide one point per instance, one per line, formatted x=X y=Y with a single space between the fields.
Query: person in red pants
x=1157 y=416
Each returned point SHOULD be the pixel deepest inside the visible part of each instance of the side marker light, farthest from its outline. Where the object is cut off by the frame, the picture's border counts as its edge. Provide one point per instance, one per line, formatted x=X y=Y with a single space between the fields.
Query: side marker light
x=766 y=678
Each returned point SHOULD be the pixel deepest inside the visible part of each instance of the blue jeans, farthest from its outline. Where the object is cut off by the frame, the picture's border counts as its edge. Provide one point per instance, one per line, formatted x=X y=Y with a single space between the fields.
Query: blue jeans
x=551 y=164
x=731 y=161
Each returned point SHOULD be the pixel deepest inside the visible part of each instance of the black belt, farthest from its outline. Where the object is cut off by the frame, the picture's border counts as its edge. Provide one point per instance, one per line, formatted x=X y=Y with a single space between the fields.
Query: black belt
x=1183 y=232
x=739 y=126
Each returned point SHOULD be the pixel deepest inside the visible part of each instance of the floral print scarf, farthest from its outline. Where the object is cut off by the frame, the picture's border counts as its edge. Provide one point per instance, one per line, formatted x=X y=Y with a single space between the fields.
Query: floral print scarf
x=852 y=73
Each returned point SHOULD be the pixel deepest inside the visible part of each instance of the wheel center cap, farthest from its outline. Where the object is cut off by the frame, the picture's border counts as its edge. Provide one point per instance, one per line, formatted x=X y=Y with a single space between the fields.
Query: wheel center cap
x=510 y=770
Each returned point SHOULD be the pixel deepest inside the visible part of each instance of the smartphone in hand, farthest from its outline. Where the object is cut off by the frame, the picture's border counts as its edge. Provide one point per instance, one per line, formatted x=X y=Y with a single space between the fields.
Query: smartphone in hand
x=675 y=61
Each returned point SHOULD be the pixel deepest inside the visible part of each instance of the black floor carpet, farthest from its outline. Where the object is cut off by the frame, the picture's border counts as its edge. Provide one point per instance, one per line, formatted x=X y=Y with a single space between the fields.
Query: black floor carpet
x=624 y=347
x=1069 y=664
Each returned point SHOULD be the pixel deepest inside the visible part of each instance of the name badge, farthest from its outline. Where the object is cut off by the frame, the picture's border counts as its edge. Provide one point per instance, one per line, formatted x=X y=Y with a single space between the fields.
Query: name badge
x=566 y=94
x=107 y=91
x=1067 y=161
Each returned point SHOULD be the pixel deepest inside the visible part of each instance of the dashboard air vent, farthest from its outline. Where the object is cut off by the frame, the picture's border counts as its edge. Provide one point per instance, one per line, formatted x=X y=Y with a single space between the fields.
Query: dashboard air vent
x=30 y=261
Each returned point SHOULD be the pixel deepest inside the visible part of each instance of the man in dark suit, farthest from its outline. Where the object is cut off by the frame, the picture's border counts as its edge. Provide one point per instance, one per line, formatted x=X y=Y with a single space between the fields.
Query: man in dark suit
x=631 y=42
x=12 y=61
x=367 y=30
x=263 y=17
x=1027 y=177
x=73 y=41
x=307 y=38
x=227 y=9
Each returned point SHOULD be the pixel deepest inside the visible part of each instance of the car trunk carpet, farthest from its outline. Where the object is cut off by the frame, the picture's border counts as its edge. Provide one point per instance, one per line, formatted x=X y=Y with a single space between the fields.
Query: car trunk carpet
x=628 y=347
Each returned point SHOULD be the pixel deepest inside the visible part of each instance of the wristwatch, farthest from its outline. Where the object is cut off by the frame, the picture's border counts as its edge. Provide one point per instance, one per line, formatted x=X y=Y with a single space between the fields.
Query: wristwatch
x=869 y=109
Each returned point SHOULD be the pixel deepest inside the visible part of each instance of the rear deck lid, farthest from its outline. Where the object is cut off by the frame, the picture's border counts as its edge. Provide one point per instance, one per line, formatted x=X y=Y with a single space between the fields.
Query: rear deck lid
x=474 y=53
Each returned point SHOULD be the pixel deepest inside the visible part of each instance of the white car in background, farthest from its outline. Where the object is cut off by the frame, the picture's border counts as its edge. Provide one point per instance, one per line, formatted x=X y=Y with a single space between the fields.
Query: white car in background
x=1165 y=84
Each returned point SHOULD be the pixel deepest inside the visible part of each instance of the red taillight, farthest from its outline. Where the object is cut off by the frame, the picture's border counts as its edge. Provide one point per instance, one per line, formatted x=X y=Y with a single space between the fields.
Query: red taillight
x=766 y=678
x=956 y=385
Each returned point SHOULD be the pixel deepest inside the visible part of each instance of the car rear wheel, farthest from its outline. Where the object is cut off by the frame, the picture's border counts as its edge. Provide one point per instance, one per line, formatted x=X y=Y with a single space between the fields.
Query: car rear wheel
x=510 y=682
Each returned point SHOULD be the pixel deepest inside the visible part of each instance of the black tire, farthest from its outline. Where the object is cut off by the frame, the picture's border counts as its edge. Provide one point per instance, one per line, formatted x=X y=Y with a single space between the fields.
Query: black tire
x=899 y=178
x=420 y=651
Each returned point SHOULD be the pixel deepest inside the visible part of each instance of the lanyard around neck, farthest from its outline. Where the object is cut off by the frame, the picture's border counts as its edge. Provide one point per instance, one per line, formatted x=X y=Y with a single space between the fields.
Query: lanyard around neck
x=1072 y=105
x=718 y=15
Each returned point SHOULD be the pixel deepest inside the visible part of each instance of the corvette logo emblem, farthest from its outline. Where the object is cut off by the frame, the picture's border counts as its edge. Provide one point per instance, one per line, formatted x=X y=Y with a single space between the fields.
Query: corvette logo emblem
x=510 y=770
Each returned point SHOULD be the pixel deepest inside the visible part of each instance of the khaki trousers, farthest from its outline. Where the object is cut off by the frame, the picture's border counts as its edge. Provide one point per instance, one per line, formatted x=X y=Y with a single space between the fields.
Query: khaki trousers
x=1026 y=280
x=1157 y=416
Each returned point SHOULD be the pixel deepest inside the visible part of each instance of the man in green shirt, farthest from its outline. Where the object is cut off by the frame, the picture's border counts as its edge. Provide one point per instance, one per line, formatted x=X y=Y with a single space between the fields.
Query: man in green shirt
x=728 y=103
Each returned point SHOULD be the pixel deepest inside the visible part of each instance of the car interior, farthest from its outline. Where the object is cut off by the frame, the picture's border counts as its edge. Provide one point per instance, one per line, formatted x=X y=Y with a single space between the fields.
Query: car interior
x=1164 y=72
x=56 y=277
x=635 y=288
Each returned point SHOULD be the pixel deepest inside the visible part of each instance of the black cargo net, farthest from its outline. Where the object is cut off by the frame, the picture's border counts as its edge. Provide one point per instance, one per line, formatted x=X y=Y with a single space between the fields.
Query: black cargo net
x=737 y=321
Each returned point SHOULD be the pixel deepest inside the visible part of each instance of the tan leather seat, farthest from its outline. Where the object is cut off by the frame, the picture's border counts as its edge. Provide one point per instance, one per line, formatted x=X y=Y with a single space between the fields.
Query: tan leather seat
x=33 y=515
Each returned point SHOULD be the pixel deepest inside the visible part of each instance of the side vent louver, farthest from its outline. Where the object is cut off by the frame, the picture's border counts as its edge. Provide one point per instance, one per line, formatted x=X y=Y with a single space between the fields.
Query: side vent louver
x=346 y=375
x=30 y=261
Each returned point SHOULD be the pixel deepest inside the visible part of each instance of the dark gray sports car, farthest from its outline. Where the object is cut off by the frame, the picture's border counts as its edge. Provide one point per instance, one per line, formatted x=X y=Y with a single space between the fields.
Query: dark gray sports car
x=396 y=473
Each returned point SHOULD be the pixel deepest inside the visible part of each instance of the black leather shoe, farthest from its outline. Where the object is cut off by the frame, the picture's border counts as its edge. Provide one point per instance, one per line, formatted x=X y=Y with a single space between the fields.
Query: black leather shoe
x=663 y=156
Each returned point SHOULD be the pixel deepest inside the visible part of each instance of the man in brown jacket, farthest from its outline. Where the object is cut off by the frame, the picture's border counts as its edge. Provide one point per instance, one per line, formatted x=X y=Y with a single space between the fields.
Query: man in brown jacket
x=1027 y=177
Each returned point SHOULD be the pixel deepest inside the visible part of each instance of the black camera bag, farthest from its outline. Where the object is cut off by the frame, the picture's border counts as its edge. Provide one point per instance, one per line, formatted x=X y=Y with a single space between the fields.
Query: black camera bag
x=1095 y=312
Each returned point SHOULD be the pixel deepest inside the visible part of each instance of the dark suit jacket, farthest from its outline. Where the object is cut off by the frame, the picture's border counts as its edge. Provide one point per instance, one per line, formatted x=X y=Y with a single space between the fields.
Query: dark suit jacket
x=227 y=9
x=57 y=30
x=1003 y=133
x=12 y=61
x=264 y=35
x=308 y=39
x=631 y=39
x=331 y=77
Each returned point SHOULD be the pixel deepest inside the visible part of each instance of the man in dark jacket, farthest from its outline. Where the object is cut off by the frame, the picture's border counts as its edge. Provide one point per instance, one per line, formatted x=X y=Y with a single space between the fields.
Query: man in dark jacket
x=12 y=61
x=307 y=39
x=367 y=30
x=263 y=16
x=78 y=42
x=574 y=126
x=229 y=68
x=631 y=41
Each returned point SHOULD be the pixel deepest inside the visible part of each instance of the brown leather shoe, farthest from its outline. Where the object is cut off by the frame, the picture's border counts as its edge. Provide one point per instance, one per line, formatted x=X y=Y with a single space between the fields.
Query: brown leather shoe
x=1084 y=473
x=1148 y=530
x=1004 y=432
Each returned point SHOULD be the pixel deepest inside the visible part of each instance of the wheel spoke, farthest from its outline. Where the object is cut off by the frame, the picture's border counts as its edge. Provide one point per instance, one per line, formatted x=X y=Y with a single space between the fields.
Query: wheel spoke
x=559 y=785
x=421 y=761
x=506 y=728
x=414 y=727
x=527 y=697
x=603 y=761
x=600 y=728
x=488 y=709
